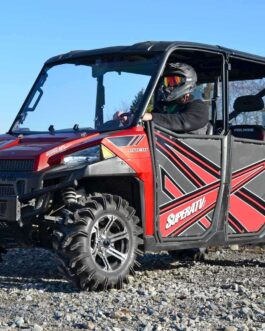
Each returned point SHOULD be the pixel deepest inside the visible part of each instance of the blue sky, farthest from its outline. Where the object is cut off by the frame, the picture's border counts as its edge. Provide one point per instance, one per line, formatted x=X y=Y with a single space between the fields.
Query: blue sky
x=32 y=31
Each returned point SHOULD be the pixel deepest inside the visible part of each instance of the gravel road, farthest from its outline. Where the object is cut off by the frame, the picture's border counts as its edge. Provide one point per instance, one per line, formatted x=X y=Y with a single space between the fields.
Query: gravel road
x=226 y=292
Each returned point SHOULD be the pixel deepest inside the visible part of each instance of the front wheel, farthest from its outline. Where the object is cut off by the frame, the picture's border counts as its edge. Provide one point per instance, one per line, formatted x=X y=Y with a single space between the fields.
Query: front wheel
x=98 y=242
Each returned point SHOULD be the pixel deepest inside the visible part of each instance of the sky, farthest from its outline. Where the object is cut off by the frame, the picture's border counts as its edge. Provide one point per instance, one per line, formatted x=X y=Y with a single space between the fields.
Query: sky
x=32 y=31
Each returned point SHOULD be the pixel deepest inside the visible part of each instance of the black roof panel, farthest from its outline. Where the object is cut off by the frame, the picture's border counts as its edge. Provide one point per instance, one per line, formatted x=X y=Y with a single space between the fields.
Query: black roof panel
x=151 y=47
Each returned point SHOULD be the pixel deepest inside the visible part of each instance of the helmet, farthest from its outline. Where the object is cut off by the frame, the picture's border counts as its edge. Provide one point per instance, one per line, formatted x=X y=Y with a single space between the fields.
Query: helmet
x=179 y=79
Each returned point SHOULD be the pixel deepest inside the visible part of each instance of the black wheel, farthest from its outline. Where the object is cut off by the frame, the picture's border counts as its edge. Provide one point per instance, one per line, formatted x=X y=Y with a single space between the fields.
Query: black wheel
x=194 y=254
x=98 y=242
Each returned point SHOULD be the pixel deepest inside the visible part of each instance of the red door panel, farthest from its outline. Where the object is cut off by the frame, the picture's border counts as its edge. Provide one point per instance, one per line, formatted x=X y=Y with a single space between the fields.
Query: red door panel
x=189 y=177
x=247 y=204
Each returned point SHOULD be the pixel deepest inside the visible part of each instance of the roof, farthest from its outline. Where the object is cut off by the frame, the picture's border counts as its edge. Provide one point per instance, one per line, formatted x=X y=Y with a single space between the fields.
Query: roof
x=151 y=47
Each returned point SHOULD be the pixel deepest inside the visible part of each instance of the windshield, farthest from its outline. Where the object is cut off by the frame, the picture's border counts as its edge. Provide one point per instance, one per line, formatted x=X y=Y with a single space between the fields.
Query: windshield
x=87 y=95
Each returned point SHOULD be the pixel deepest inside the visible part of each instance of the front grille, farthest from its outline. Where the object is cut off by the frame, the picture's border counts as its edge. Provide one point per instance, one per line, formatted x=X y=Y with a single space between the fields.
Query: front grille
x=7 y=190
x=16 y=165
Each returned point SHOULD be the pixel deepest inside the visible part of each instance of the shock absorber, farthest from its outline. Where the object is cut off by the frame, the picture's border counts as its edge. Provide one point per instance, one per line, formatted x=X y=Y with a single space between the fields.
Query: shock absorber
x=69 y=196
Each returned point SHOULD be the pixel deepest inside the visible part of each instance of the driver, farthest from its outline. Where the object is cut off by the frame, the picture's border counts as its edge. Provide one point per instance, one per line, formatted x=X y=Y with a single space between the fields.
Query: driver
x=175 y=109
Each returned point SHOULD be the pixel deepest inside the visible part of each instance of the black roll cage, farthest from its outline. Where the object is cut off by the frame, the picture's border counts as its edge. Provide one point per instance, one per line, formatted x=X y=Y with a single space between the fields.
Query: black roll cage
x=152 y=49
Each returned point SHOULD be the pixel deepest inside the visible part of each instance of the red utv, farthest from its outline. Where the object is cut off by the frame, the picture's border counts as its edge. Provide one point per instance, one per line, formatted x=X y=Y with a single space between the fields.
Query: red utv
x=99 y=190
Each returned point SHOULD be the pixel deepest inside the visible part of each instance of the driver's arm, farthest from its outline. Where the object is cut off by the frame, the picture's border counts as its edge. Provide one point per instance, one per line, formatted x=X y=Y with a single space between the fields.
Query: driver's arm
x=194 y=117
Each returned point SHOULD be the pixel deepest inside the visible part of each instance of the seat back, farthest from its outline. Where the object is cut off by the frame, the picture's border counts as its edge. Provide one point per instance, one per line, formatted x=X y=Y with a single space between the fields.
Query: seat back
x=256 y=132
x=248 y=103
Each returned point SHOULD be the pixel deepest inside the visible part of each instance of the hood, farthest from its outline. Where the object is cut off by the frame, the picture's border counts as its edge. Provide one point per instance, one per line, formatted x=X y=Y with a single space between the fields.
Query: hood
x=44 y=150
x=41 y=147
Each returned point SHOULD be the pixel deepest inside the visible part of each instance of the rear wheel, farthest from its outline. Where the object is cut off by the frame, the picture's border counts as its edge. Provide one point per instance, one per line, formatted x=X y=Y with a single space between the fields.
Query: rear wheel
x=98 y=242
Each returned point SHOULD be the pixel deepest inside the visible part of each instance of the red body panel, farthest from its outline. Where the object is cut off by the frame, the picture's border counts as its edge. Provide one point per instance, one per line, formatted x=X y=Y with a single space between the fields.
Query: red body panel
x=48 y=150
x=137 y=155
x=246 y=213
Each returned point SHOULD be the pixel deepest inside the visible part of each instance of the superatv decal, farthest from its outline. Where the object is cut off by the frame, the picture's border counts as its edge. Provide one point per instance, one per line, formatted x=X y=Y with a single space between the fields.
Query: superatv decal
x=187 y=209
x=186 y=206
x=202 y=206
x=181 y=215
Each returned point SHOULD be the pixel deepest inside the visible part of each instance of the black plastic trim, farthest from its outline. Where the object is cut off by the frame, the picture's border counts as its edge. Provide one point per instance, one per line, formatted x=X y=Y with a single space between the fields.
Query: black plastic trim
x=151 y=140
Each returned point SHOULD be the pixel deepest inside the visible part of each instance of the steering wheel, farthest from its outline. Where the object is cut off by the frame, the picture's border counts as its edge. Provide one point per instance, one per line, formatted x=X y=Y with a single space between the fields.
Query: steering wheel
x=126 y=117
x=111 y=124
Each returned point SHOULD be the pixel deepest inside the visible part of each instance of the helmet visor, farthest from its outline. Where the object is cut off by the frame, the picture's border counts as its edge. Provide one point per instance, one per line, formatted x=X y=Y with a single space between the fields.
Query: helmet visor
x=171 y=81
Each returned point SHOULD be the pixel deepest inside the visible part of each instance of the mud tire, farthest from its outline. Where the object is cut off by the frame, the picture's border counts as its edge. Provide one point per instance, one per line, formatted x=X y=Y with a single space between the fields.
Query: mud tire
x=78 y=242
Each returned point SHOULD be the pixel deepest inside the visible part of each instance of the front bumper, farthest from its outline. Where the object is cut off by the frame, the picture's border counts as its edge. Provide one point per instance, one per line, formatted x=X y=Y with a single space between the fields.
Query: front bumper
x=14 y=186
x=18 y=189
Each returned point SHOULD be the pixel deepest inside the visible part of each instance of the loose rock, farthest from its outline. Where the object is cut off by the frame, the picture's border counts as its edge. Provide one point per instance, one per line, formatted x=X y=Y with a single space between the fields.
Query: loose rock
x=226 y=293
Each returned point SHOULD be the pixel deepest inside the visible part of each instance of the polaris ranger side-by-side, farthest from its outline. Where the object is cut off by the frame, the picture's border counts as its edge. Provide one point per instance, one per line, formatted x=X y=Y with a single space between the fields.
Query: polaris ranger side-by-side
x=99 y=189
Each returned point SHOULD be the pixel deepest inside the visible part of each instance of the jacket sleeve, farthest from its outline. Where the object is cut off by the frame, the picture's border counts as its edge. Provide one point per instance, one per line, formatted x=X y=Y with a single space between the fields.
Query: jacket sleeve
x=195 y=116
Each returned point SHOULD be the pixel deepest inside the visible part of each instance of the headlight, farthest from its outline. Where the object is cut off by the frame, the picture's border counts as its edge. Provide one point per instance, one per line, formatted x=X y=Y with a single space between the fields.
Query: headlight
x=88 y=156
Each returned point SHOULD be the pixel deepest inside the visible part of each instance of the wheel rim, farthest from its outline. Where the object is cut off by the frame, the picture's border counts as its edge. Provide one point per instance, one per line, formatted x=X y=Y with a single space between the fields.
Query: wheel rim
x=109 y=242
